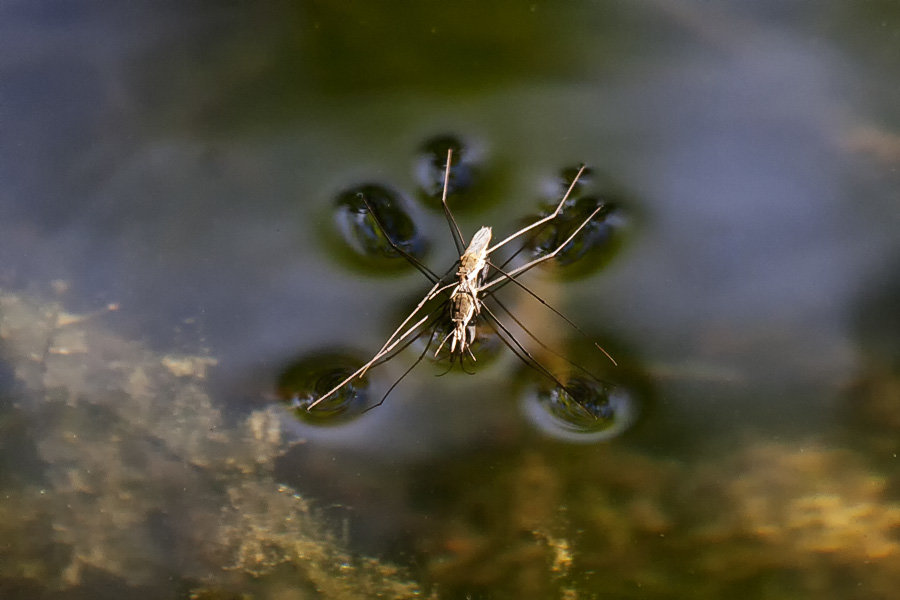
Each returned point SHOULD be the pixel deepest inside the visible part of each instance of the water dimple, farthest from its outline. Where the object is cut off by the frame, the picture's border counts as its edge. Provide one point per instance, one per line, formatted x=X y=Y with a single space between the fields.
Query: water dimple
x=431 y=164
x=598 y=241
x=309 y=378
x=366 y=231
x=567 y=175
x=486 y=346
x=585 y=411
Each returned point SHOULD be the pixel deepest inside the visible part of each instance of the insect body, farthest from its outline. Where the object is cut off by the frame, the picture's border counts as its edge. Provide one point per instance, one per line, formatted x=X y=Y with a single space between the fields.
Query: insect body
x=466 y=289
x=464 y=301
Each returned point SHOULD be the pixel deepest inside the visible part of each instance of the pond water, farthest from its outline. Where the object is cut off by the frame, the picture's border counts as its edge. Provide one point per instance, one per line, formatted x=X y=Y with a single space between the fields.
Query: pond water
x=183 y=249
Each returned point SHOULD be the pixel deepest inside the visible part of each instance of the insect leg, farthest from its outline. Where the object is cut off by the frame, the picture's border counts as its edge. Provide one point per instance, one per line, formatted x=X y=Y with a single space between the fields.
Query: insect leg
x=360 y=371
x=526 y=357
x=540 y=222
x=519 y=350
x=521 y=325
x=441 y=345
x=398 y=349
x=505 y=278
x=529 y=265
x=407 y=372
x=431 y=275
x=432 y=293
x=454 y=228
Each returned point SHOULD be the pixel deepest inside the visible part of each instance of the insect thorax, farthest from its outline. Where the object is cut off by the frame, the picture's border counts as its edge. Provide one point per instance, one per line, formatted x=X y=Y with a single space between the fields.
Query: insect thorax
x=474 y=259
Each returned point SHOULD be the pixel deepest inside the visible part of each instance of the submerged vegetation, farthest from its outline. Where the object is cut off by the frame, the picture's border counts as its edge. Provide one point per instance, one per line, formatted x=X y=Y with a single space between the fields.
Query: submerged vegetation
x=131 y=477
x=203 y=162
x=137 y=480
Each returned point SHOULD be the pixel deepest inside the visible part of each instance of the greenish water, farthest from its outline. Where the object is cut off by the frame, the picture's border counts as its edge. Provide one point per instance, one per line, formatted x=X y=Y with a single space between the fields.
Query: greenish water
x=172 y=181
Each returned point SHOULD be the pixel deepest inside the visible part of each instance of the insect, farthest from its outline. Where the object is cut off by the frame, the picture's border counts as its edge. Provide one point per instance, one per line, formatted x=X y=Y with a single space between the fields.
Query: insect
x=465 y=289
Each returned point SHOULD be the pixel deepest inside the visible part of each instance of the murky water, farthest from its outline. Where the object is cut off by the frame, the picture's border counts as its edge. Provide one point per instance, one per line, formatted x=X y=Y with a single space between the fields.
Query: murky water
x=186 y=264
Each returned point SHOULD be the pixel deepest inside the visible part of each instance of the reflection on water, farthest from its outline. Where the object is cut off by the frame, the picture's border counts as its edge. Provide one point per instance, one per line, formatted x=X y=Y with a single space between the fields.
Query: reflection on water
x=584 y=411
x=309 y=378
x=486 y=346
x=182 y=161
x=594 y=245
x=375 y=226
x=371 y=220
x=464 y=166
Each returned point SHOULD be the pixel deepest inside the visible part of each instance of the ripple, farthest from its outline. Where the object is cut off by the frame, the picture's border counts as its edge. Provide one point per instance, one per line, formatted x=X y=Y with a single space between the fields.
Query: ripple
x=486 y=347
x=586 y=411
x=360 y=228
x=430 y=165
x=305 y=380
x=598 y=241
x=594 y=245
x=564 y=180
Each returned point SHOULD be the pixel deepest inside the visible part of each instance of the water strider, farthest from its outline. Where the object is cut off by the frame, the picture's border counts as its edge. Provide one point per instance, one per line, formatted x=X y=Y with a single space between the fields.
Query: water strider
x=465 y=290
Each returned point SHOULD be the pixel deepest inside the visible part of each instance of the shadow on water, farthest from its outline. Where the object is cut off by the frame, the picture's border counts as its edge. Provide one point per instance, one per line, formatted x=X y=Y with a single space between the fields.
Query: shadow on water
x=309 y=377
x=194 y=168
x=361 y=241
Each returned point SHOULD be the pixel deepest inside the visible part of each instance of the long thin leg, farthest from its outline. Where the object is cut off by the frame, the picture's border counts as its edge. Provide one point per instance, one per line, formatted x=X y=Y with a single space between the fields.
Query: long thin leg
x=520 y=351
x=534 y=338
x=526 y=357
x=462 y=361
x=527 y=266
x=454 y=228
x=540 y=222
x=449 y=367
x=398 y=349
x=524 y=245
x=360 y=371
x=510 y=279
x=422 y=267
x=405 y=373
x=432 y=293
x=431 y=275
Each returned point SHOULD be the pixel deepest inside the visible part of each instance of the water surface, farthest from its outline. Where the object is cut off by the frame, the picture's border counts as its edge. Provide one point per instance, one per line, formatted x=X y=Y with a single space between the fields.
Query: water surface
x=171 y=244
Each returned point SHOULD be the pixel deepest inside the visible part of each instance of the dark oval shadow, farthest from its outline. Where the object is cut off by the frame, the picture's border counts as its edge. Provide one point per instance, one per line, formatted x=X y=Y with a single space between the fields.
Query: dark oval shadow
x=363 y=217
x=307 y=378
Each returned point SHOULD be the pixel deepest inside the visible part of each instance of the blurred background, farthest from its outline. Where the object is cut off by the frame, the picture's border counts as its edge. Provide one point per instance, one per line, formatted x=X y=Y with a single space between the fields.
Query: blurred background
x=173 y=243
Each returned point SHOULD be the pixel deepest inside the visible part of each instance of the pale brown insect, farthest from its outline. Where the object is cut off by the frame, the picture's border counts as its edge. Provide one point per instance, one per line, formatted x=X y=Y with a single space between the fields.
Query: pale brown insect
x=466 y=289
